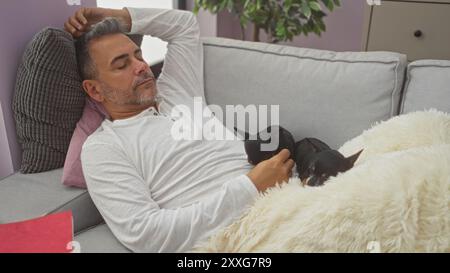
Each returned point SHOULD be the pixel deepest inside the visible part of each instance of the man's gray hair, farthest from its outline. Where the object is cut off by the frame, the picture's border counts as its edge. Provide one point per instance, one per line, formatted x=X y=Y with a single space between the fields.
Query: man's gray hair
x=86 y=65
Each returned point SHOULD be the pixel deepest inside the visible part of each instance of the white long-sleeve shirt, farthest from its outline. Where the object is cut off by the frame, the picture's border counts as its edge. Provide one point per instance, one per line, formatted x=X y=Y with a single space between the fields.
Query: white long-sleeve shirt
x=158 y=194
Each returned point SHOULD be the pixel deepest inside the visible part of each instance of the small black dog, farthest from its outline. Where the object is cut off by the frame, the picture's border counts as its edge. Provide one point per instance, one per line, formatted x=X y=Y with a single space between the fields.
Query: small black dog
x=316 y=161
x=256 y=152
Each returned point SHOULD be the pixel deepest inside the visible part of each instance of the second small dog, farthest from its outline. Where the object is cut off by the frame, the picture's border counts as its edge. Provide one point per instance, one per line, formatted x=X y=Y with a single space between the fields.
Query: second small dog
x=316 y=161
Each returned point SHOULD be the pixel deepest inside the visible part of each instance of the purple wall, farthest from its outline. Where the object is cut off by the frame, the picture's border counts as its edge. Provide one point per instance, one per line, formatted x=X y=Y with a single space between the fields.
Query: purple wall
x=206 y=20
x=19 y=21
x=344 y=28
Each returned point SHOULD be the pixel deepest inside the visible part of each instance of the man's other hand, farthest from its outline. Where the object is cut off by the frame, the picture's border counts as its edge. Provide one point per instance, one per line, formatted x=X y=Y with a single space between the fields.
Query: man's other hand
x=83 y=18
x=272 y=171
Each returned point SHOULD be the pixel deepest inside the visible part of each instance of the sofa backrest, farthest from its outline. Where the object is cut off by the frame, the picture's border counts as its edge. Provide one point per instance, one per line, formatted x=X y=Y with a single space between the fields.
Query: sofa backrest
x=427 y=86
x=329 y=95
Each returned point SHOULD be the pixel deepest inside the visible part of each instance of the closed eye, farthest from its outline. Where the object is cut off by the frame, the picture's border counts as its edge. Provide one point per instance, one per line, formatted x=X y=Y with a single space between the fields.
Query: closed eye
x=139 y=57
x=125 y=64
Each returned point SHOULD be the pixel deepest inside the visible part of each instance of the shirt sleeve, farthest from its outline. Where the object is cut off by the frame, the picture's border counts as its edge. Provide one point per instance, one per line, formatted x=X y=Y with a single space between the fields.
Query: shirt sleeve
x=125 y=202
x=182 y=74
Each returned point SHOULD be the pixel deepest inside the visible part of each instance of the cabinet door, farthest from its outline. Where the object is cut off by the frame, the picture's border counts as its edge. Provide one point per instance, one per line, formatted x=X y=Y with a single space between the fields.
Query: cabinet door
x=419 y=30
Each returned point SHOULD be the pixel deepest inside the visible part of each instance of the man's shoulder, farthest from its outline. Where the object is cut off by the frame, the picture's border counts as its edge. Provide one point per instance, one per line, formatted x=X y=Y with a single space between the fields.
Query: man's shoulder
x=100 y=137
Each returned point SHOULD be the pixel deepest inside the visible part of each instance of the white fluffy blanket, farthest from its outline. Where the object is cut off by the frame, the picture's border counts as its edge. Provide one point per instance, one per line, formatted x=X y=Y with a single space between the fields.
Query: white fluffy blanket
x=395 y=199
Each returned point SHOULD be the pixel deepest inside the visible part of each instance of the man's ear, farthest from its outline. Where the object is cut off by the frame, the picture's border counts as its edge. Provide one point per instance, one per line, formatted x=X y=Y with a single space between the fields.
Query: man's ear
x=92 y=88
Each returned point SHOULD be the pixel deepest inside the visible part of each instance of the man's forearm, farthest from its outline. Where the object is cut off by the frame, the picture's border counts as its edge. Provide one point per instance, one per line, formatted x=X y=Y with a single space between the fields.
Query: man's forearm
x=169 y=25
x=84 y=18
x=124 y=16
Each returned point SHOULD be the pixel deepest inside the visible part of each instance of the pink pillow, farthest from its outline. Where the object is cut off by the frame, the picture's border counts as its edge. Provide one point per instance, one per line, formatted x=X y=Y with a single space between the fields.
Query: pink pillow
x=93 y=115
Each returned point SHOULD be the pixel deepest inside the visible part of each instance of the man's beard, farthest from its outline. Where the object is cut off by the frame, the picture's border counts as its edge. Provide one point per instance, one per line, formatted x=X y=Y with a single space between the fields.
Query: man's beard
x=117 y=96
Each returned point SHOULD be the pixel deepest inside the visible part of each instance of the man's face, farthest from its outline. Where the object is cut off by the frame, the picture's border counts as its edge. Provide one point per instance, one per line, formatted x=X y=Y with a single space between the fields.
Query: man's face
x=124 y=77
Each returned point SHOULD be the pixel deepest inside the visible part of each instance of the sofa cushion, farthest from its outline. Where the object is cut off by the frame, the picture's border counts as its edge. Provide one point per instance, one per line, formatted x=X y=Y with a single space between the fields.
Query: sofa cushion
x=99 y=239
x=48 y=100
x=27 y=196
x=427 y=86
x=329 y=95
x=93 y=115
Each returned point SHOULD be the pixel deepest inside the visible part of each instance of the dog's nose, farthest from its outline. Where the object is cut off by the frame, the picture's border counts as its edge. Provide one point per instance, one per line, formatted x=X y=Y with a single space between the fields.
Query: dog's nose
x=315 y=181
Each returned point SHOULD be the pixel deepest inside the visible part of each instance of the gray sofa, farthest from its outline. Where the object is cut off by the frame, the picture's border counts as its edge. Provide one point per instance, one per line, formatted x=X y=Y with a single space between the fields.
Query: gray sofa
x=330 y=95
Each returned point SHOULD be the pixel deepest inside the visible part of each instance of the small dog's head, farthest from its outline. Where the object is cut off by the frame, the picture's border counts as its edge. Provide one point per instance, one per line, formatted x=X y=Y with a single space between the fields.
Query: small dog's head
x=254 y=145
x=328 y=163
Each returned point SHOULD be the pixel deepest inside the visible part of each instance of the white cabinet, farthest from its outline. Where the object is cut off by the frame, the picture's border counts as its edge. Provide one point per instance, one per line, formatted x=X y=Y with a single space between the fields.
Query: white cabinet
x=419 y=29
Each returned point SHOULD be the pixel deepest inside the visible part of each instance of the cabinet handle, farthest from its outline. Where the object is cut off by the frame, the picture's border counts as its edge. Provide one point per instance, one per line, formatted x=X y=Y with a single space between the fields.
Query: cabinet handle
x=418 y=33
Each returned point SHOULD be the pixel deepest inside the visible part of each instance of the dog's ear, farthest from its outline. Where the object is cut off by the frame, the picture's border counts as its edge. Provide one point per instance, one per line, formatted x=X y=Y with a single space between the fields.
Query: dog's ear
x=352 y=159
x=239 y=133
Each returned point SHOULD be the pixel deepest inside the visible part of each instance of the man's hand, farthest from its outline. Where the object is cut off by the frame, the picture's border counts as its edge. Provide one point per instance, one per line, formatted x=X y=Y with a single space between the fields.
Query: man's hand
x=272 y=171
x=83 y=18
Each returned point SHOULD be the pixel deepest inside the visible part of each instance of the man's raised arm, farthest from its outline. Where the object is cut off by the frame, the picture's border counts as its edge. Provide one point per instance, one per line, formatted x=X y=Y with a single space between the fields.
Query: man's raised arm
x=182 y=75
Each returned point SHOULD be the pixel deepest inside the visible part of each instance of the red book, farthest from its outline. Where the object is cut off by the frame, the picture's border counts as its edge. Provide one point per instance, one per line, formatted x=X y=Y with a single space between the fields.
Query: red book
x=47 y=234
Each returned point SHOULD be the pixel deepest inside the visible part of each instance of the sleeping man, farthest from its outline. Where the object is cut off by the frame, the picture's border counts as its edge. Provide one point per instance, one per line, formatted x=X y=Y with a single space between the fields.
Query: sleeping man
x=157 y=193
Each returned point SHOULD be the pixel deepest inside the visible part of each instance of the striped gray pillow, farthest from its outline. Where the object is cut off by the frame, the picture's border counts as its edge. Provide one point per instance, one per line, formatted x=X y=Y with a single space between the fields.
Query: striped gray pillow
x=48 y=100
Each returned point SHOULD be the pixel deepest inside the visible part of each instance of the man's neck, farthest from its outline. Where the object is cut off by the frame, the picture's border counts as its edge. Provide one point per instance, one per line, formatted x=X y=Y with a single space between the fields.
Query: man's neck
x=127 y=112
